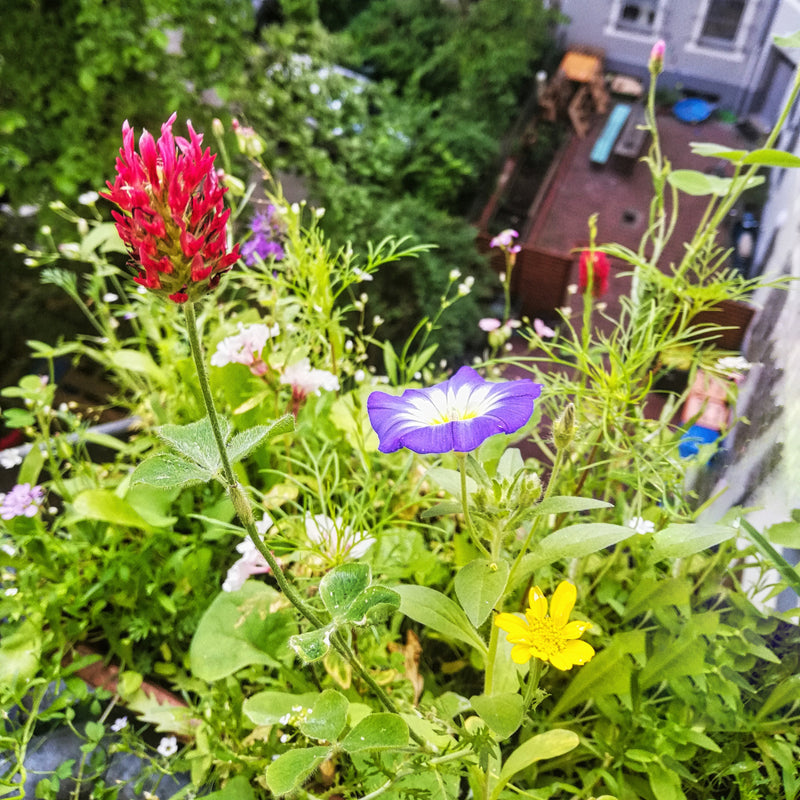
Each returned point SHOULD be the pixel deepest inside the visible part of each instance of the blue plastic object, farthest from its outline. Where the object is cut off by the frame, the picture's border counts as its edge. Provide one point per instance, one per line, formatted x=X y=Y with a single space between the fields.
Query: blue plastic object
x=696 y=436
x=692 y=109
x=616 y=120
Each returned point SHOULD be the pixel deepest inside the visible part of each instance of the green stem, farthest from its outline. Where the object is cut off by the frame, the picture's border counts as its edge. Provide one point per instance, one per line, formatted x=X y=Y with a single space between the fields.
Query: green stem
x=462 y=463
x=245 y=513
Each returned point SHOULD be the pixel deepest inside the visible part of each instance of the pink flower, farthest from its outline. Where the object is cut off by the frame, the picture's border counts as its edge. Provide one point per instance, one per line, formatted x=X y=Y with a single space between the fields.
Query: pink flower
x=174 y=219
x=245 y=347
x=505 y=239
x=305 y=381
x=489 y=324
x=657 y=56
x=23 y=500
x=542 y=330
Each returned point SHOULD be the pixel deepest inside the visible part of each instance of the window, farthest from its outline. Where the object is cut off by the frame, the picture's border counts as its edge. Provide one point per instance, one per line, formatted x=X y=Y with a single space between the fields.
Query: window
x=637 y=15
x=722 y=22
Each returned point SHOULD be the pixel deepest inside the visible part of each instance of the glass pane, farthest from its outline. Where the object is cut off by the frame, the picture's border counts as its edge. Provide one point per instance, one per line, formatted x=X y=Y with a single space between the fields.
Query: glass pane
x=722 y=19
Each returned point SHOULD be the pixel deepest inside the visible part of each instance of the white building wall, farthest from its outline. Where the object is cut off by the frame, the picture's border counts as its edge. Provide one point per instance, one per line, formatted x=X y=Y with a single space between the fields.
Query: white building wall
x=726 y=71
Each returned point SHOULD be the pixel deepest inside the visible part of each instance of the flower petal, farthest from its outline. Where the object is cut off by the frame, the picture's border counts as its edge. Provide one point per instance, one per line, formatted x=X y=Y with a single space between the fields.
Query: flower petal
x=537 y=602
x=562 y=602
x=574 y=653
x=521 y=654
x=574 y=630
x=512 y=624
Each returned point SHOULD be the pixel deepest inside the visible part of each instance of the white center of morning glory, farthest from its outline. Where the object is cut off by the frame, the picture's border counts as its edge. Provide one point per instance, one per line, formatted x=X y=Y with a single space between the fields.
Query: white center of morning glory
x=440 y=406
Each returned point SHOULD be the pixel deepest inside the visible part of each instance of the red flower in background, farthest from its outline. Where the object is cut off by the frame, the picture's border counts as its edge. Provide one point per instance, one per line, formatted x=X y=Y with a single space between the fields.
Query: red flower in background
x=601 y=267
x=174 y=218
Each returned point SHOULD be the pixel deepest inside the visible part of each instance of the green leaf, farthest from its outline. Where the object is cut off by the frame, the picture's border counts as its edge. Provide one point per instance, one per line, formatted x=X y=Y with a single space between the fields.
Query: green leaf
x=675 y=658
x=574 y=541
x=787 y=692
x=169 y=471
x=656 y=593
x=239 y=629
x=31 y=466
x=679 y=541
x=312 y=645
x=327 y=718
x=479 y=585
x=373 y=605
x=291 y=768
x=196 y=441
x=785 y=534
x=769 y=157
x=278 y=708
x=792 y=41
x=381 y=731
x=102 y=237
x=439 y=613
x=443 y=509
x=139 y=362
x=712 y=150
x=450 y=480
x=787 y=571
x=106 y=506
x=340 y=587
x=20 y=652
x=244 y=443
x=237 y=788
x=501 y=712
x=550 y=744
x=567 y=505
x=699 y=183
x=609 y=672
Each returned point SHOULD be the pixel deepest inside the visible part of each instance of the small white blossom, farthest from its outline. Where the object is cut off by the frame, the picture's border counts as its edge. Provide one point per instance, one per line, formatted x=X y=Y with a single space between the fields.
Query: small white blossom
x=244 y=347
x=251 y=561
x=10 y=458
x=168 y=746
x=641 y=525
x=110 y=297
x=455 y=274
x=314 y=88
x=119 y=723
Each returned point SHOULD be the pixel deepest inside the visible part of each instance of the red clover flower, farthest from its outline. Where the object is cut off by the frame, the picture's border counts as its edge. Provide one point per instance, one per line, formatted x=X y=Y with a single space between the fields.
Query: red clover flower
x=173 y=218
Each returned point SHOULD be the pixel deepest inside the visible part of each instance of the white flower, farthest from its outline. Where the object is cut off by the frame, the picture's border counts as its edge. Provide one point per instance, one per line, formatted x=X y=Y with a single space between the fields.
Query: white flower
x=168 y=746
x=88 y=198
x=314 y=88
x=734 y=364
x=304 y=380
x=641 y=525
x=361 y=275
x=337 y=131
x=251 y=561
x=10 y=458
x=335 y=105
x=244 y=347
x=119 y=723
x=335 y=541
x=455 y=274
x=110 y=297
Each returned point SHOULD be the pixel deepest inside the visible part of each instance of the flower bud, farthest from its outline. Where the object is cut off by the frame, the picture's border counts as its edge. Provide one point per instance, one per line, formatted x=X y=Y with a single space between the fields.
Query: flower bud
x=564 y=427
x=656 y=64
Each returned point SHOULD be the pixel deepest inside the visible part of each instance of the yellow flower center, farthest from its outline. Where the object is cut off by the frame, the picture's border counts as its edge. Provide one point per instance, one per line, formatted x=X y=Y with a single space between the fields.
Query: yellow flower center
x=546 y=636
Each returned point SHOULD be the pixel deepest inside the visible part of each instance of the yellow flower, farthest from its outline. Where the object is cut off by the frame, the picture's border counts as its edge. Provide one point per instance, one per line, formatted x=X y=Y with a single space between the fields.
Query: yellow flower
x=549 y=638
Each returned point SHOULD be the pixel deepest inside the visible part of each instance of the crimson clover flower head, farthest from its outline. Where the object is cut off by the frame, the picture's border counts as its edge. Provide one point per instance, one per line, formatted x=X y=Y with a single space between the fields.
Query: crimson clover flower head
x=172 y=215
x=600 y=270
x=458 y=414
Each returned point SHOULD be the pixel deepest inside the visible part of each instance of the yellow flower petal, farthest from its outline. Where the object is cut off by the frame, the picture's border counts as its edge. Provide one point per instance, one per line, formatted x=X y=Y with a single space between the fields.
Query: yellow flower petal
x=521 y=654
x=574 y=653
x=537 y=603
x=511 y=624
x=562 y=602
x=575 y=629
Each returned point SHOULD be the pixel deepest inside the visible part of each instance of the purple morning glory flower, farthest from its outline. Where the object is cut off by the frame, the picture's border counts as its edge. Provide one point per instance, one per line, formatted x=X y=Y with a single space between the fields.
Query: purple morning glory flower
x=458 y=414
